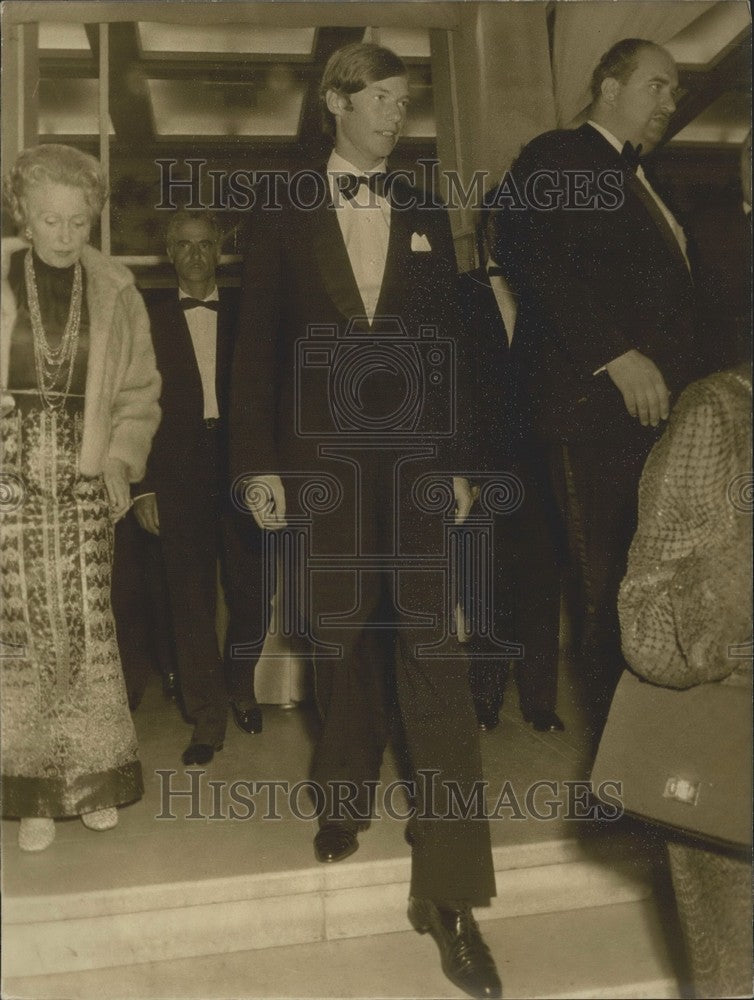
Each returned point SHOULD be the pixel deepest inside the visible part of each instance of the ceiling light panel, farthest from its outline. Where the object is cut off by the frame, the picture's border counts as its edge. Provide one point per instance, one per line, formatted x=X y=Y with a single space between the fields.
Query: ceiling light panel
x=724 y=123
x=408 y=43
x=191 y=108
x=702 y=41
x=69 y=107
x=63 y=36
x=158 y=41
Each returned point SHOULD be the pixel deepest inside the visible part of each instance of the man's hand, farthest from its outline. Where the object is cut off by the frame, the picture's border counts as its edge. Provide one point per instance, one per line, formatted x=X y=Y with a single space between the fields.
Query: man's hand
x=642 y=386
x=145 y=511
x=265 y=498
x=115 y=474
x=464 y=498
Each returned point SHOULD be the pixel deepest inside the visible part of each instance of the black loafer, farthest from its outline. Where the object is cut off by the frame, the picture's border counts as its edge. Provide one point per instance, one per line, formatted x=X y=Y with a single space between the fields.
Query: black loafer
x=334 y=842
x=488 y=719
x=199 y=753
x=545 y=721
x=248 y=720
x=465 y=958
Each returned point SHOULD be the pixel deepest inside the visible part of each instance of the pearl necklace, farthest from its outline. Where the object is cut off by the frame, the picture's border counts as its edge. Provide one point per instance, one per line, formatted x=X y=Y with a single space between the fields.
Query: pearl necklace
x=50 y=362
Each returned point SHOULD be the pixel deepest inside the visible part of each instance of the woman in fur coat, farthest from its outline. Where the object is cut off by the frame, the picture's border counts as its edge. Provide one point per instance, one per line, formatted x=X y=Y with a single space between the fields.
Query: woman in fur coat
x=79 y=410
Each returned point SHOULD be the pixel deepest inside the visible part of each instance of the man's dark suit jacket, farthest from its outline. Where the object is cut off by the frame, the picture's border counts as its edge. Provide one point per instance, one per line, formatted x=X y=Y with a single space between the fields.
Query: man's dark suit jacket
x=173 y=456
x=487 y=420
x=299 y=288
x=592 y=283
x=721 y=235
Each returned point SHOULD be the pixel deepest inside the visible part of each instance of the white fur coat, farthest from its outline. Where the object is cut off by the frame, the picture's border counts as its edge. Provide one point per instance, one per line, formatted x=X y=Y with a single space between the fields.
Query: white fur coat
x=121 y=412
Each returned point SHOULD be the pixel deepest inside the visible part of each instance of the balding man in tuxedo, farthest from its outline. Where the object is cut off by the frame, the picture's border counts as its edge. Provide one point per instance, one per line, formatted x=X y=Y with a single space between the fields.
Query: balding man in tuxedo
x=606 y=328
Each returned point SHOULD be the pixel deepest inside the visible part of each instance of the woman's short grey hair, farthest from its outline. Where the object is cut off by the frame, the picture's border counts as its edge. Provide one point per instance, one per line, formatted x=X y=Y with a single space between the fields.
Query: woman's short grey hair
x=60 y=165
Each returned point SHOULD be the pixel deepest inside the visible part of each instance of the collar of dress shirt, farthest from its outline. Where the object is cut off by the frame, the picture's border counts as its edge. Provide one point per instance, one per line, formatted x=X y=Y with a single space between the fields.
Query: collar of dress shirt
x=606 y=134
x=214 y=295
x=337 y=164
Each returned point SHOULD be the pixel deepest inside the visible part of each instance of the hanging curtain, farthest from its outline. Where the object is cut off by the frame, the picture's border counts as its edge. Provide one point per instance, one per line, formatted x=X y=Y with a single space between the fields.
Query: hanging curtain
x=584 y=31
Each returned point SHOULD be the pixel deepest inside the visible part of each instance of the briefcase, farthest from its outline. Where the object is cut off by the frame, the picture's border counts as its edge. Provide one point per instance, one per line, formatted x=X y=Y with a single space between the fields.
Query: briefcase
x=682 y=758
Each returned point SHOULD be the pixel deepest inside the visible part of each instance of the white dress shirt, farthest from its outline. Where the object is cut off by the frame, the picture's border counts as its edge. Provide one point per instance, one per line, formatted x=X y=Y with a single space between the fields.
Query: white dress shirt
x=365 y=225
x=675 y=226
x=202 y=324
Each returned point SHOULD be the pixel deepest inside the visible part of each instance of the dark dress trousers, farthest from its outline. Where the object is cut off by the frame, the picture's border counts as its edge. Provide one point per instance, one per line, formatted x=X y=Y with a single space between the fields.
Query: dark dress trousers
x=523 y=608
x=367 y=411
x=597 y=274
x=187 y=470
x=141 y=608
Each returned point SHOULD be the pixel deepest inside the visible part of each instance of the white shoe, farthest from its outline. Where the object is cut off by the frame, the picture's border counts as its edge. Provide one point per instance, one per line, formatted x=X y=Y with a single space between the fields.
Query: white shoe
x=101 y=819
x=36 y=833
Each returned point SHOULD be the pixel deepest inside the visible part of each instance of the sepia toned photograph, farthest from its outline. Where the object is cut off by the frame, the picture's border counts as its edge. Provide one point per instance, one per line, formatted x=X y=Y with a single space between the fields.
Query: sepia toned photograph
x=376 y=500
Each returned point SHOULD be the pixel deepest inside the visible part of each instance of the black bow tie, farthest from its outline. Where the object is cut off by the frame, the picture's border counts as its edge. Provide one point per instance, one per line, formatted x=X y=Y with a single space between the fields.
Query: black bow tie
x=349 y=184
x=632 y=156
x=189 y=303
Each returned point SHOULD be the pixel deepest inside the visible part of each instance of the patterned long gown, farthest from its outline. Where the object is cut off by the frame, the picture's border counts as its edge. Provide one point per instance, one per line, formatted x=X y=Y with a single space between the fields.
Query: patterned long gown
x=68 y=743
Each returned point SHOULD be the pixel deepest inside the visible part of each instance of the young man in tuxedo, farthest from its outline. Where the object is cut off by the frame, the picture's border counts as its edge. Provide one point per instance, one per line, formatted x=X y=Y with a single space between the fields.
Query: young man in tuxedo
x=606 y=328
x=343 y=379
x=184 y=497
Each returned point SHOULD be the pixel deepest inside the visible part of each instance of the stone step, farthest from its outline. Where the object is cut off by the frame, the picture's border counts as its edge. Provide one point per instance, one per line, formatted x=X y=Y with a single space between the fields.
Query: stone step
x=612 y=951
x=75 y=931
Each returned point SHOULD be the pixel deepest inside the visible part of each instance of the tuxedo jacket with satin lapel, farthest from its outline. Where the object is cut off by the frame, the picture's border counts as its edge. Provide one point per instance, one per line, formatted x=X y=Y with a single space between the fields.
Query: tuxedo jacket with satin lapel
x=182 y=399
x=298 y=276
x=592 y=284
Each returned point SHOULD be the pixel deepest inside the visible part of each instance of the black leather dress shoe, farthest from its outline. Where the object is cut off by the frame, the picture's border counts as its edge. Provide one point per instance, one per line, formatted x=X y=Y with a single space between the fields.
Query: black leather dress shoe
x=199 y=753
x=545 y=721
x=248 y=720
x=466 y=959
x=487 y=718
x=334 y=842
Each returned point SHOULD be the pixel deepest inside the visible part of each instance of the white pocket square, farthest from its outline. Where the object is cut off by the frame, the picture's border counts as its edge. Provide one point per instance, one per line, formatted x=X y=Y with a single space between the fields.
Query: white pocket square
x=419 y=243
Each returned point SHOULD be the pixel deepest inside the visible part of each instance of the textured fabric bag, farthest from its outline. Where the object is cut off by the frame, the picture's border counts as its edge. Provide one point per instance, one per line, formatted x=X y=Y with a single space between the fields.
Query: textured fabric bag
x=683 y=758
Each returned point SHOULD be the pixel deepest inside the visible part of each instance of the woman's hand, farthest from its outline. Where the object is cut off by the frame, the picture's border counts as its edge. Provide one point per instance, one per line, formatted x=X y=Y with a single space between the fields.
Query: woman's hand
x=115 y=475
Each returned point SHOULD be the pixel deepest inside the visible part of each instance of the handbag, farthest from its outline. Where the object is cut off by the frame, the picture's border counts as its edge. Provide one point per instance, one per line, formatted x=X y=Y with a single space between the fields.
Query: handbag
x=681 y=758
